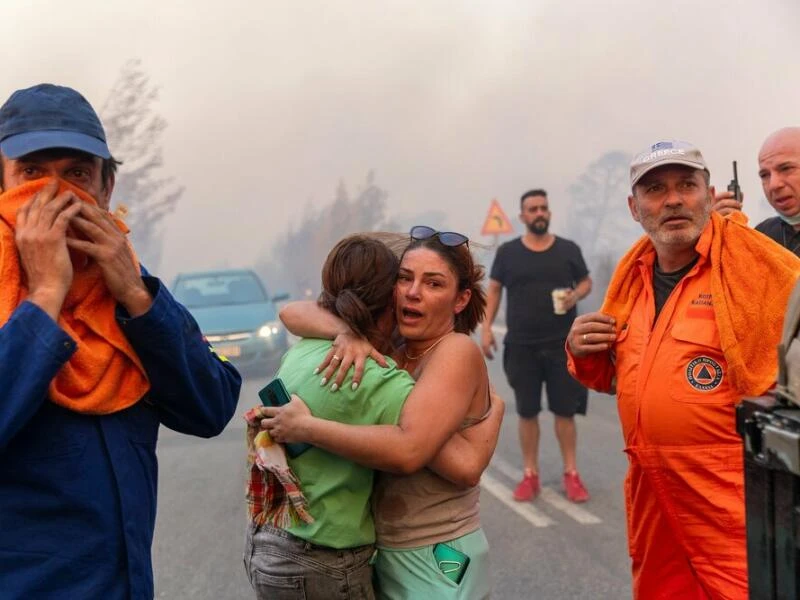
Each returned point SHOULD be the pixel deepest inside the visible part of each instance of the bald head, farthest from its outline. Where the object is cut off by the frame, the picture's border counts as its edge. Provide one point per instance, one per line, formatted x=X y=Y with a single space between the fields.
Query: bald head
x=786 y=137
x=779 y=170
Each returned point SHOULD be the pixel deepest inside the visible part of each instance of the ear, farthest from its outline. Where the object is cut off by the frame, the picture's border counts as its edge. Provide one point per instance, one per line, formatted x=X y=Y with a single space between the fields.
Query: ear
x=105 y=195
x=462 y=300
x=633 y=206
x=712 y=193
x=521 y=217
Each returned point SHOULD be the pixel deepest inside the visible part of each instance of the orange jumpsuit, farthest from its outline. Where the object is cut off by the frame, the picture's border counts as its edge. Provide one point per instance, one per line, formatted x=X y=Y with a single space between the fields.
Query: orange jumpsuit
x=684 y=491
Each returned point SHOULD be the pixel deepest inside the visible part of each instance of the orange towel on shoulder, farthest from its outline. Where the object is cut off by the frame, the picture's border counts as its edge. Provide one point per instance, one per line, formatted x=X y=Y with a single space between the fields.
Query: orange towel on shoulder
x=751 y=279
x=104 y=375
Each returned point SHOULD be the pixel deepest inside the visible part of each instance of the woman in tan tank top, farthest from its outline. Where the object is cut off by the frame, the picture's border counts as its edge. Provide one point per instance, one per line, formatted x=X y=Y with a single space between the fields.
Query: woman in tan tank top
x=427 y=519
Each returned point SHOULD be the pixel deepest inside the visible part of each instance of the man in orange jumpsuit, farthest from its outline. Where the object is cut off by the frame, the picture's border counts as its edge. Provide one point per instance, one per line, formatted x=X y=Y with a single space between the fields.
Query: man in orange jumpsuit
x=676 y=388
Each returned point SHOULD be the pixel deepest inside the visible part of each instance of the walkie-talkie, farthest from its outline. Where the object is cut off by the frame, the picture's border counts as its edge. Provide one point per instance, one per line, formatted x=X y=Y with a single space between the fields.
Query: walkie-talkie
x=733 y=186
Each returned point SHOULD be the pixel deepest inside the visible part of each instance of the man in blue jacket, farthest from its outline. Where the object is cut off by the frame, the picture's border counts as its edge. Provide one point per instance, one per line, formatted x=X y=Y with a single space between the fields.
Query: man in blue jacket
x=81 y=404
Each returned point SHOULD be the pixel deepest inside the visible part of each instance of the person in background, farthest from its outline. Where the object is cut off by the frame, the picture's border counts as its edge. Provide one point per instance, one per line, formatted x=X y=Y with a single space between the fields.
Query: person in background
x=95 y=354
x=545 y=276
x=779 y=170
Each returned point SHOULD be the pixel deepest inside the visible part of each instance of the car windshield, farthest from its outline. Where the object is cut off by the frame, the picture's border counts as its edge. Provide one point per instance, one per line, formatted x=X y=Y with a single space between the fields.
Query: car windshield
x=218 y=290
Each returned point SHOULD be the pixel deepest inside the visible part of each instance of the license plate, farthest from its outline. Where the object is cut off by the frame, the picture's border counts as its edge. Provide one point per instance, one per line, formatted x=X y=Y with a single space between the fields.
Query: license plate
x=228 y=351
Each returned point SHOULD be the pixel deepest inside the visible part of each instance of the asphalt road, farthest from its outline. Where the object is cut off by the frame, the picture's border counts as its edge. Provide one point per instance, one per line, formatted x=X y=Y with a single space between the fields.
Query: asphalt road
x=549 y=549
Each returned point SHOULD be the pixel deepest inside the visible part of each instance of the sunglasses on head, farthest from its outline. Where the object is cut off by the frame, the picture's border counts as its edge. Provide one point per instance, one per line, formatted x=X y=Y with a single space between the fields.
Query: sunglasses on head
x=446 y=238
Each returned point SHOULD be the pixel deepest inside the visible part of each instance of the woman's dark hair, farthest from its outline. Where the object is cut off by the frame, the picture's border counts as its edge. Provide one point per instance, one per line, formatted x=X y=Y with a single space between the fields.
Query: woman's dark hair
x=469 y=275
x=358 y=280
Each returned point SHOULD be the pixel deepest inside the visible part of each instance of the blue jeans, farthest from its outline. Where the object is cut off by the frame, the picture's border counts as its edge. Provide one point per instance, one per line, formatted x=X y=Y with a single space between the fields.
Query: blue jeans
x=282 y=566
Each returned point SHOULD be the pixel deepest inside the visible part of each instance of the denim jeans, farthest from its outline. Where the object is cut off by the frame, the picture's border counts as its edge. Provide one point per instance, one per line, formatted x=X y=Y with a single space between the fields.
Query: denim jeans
x=282 y=566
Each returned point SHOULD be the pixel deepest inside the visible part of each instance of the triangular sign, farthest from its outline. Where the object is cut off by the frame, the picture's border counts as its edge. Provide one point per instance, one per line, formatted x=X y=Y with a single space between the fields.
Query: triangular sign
x=704 y=375
x=496 y=221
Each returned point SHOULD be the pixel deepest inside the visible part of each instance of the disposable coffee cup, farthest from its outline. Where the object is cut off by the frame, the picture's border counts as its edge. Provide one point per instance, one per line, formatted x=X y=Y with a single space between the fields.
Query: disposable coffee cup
x=559 y=298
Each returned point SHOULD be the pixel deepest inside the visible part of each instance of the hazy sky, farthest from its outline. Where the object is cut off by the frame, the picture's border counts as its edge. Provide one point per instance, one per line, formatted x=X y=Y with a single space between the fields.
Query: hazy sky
x=270 y=104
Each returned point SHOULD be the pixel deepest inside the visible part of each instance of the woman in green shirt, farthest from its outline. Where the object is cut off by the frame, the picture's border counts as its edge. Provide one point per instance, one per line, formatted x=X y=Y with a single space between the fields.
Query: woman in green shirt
x=329 y=558
x=427 y=519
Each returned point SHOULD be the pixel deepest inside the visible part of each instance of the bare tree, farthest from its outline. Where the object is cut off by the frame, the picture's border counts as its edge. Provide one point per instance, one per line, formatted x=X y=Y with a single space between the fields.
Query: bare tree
x=601 y=223
x=134 y=132
x=599 y=206
x=296 y=258
x=432 y=218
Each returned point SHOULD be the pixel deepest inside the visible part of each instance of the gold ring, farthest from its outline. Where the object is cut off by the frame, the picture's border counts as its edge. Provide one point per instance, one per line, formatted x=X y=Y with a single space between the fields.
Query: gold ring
x=335 y=357
x=584 y=338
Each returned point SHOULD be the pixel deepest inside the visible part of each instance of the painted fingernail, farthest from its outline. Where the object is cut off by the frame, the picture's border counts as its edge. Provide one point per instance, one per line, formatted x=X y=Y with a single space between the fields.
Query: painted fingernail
x=316 y=371
x=323 y=382
x=354 y=387
x=334 y=387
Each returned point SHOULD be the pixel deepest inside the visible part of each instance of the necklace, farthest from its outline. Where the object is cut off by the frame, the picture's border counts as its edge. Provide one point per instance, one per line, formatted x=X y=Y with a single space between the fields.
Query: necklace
x=428 y=349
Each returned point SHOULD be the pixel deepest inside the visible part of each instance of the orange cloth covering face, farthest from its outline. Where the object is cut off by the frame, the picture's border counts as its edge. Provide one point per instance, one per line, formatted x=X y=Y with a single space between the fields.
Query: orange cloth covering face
x=751 y=280
x=104 y=374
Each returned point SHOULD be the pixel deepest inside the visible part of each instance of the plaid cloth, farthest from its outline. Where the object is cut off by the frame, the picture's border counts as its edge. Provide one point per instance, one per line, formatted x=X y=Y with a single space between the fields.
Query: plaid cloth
x=273 y=491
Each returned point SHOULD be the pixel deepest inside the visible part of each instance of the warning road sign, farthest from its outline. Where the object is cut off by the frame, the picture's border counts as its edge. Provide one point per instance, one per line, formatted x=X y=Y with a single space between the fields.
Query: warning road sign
x=496 y=221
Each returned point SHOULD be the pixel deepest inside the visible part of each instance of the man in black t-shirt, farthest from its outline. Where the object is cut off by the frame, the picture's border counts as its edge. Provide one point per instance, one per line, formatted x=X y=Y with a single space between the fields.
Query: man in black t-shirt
x=531 y=268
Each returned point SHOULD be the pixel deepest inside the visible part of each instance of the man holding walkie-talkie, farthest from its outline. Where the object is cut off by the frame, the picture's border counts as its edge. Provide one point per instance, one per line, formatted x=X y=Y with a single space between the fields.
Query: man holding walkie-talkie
x=687 y=329
x=779 y=170
x=730 y=200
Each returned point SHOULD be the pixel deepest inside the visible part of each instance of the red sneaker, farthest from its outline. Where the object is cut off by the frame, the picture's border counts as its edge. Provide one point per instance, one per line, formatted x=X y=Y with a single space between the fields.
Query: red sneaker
x=528 y=488
x=574 y=488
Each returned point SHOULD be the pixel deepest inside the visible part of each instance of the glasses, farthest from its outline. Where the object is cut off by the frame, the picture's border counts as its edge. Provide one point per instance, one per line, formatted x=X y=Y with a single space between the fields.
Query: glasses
x=447 y=238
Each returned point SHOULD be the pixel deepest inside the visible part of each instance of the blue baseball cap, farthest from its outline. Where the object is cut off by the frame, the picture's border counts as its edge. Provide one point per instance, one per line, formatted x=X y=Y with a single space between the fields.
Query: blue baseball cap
x=50 y=116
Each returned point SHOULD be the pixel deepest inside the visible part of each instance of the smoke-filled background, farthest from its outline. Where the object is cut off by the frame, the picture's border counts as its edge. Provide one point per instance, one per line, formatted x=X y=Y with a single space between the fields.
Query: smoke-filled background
x=257 y=133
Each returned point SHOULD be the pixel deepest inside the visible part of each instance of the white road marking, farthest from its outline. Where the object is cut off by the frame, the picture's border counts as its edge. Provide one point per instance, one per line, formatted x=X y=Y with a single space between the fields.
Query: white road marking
x=551 y=496
x=526 y=510
x=556 y=500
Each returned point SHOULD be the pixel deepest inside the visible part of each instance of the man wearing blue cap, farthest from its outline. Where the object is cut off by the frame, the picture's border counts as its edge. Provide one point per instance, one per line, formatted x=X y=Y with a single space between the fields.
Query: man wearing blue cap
x=94 y=355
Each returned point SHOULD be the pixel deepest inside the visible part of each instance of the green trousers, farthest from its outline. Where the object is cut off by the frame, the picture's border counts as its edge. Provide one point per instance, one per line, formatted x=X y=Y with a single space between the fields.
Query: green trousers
x=413 y=574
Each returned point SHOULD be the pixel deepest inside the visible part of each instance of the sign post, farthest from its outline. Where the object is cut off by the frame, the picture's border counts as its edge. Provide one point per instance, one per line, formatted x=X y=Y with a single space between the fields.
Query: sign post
x=496 y=222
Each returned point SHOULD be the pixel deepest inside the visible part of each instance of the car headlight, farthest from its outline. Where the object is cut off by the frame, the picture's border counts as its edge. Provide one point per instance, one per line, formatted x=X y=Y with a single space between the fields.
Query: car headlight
x=269 y=329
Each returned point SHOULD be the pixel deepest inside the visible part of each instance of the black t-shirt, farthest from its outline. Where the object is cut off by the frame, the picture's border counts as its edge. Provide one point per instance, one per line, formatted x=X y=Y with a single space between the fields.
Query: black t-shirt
x=780 y=231
x=530 y=277
x=664 y=283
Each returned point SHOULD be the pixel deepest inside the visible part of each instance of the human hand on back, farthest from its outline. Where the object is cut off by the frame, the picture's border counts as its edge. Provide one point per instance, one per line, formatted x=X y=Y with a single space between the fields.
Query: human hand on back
x=348 y=349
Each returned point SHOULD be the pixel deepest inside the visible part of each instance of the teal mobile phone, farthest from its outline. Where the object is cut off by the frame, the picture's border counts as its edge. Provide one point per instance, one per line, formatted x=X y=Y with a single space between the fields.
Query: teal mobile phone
x=451 y=562
x=275 y=394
